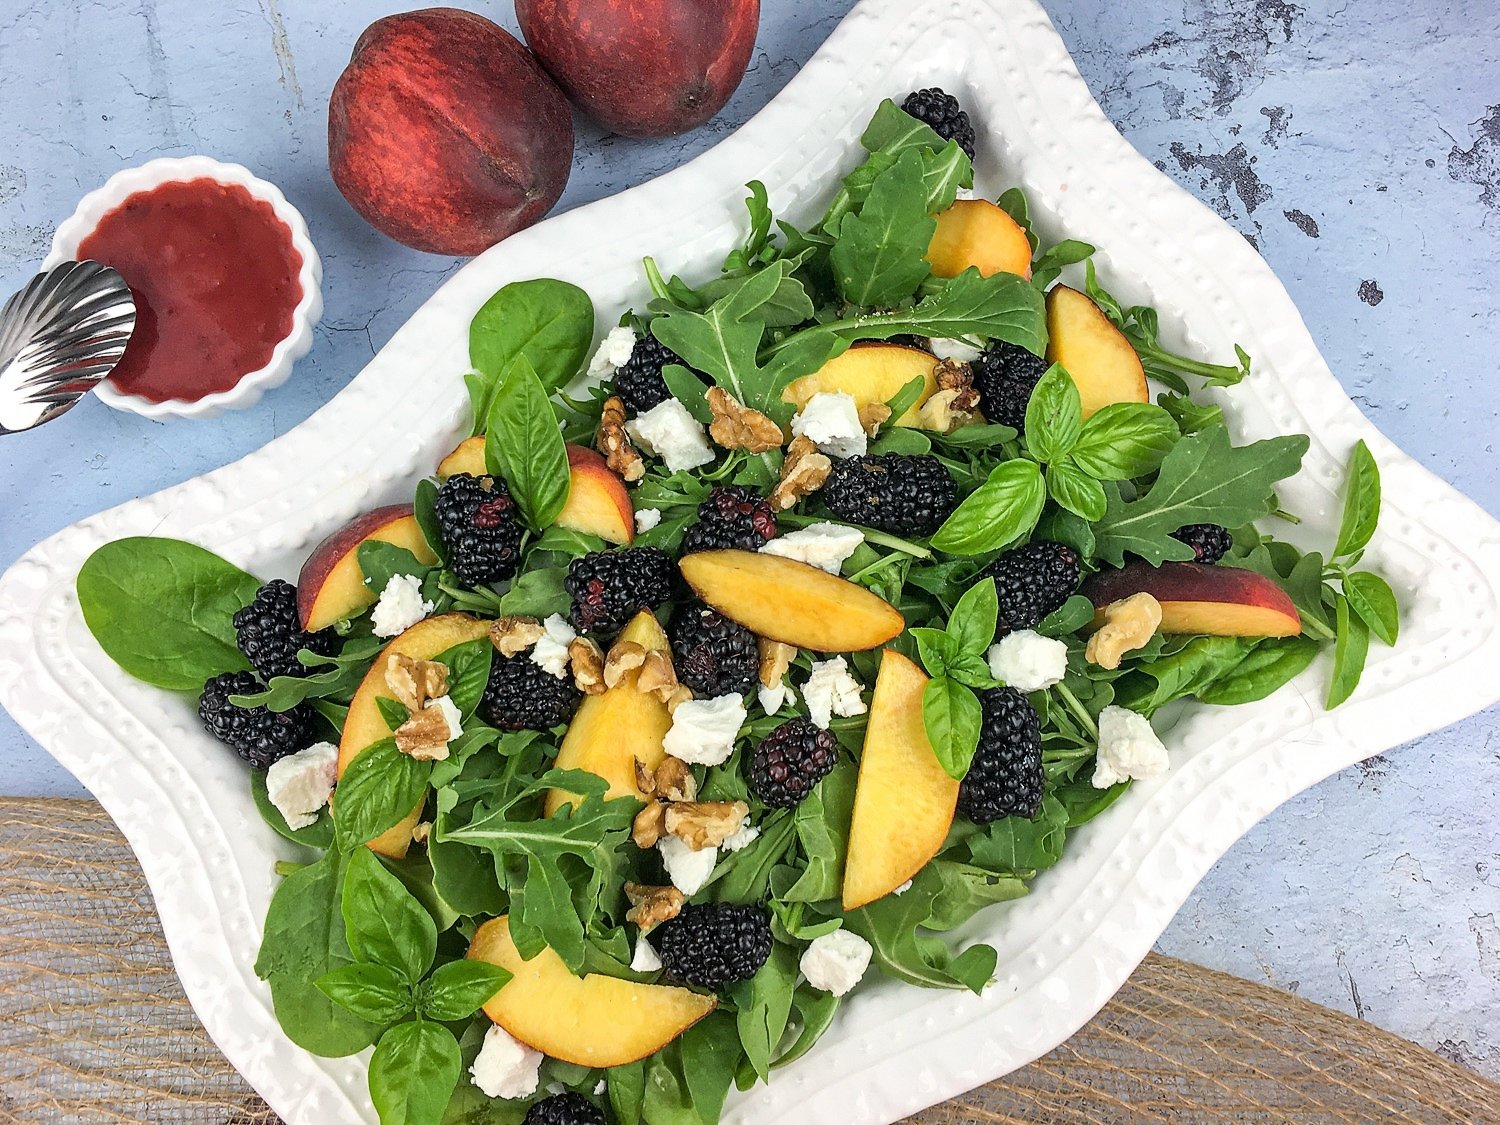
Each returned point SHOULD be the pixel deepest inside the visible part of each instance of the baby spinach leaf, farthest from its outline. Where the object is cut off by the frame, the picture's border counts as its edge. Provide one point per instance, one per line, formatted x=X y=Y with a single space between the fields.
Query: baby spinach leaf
x=375 y=993
x=626 y=1087
x=380 y=787
x=1204 y=479
x=1361 y=502
x=1071 y=616
x=1124 y=440
x=1075 y=489
x=764 y=1004
x=161 y=609
x=317 y=835
x=384 y=924
x=1083 y=802
x=1350 y=648
x=537 y=593
x=304 y=939
x=951 y=715
x=1266 y=667
x=523 y=444
x=879 y=258
x=814 y=1010
x=1371 y=597
x=1054 y=416
x=424 y=507
x=1004 y=508
x=380 y=562
x=550 y=323
x=457 y=990
x=413 y=1072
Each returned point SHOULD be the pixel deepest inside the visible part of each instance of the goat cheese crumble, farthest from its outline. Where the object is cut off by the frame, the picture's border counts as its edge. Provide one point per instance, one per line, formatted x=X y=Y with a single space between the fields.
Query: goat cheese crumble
x=551 y=652
x=703 y=730
x=1128 y=748
x=400 y=606
x=830 y=420
x=646 y=519
x=945 y=348
x=1028 y=661
x=687 y=869
x=613 y=352
x=835 y=962
x=668 y=431
x=300 y=784
x=823 y=545
x=742 y=837
x=450 y=712
x=772 y=699
x=505 y=1067
x=644 y=960
x=830 y=691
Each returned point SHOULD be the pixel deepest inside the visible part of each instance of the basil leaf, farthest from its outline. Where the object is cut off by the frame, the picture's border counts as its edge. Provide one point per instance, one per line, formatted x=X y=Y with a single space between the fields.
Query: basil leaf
x=879 y=258
x=384 y=923
x=1004 y=508
x=1350 y=648
x=1371 y=597
x=316 y=835
x=1075 y=490
x=951 y=716
x=935 y=647
x=304 y=939
x=392 y=712
x=372 y=992
x=380 y=787
x=161 y=609
x=413 y=1072
x=468 y=672
x=523 y=444
x=1268 y=666
x=458 y=989
x=1361 y=502
x=1125 y=440
x=547 y=322
x=1054 y=415
x=971 y=626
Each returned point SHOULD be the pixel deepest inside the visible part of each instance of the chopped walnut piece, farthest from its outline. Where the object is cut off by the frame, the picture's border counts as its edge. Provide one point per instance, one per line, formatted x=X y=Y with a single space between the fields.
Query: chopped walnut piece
x=802 y=472
x=424 y=736
x=873 y=415
x=414 y=682
x=614 y=443
x=736 y=426
x=705 y=824
x=420 y=831
x=645 y=780
x=651 y=906
x=681 y=695
x=938 y=413
x=649 y=825
x=954 y=402
x=953 y=375
x=587 y=659
x=511 y=635
x=1128 y=625
x=775 y=659
x=673 y=780
x=624 y=657
x=657 y=676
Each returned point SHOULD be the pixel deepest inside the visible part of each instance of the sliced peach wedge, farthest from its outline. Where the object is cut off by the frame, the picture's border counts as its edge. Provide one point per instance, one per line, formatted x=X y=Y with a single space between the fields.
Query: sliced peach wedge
x=975 y=232
x=870 y=373
x=610 y=732
x=1219 y=601
x=594 y=1020
x=598 y=502
x=331 y=586
x=1104 y=366
x=900 y=782
x=792 y=602
x=365 y=725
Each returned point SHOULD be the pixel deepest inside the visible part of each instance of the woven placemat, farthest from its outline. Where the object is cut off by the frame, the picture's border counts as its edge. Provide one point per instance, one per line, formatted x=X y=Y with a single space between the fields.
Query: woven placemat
x=94 y=1027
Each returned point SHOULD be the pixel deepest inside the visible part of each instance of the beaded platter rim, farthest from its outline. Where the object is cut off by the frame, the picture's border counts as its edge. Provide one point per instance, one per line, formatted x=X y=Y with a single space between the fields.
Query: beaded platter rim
x=1066 y=948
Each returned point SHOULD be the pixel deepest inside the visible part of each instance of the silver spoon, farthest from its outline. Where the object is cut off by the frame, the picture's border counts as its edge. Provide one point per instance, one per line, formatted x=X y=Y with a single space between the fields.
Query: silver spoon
x=60 y=335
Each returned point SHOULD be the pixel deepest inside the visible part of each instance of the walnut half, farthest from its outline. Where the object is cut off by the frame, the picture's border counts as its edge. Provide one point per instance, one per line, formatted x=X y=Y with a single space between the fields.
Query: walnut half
x=1128 y=625
x=651 y=906
x=614 y=443
x=705 y=824
x=414 y=682
x=736 y=426
x=511 y=635
x=802 y=472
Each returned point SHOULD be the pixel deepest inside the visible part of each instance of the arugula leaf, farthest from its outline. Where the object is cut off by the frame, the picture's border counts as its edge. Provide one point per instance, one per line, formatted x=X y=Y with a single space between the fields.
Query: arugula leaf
x=380 y=787
x=384 y=924
x=375 y=993
x=161 y=610
x=458 y=989
x=879 y=257
x=1371 y=597
x=523 y=444
x=413 y=1072
x=549 y=323
x=1191 y=416
x=342 y=677
x=1049 y=264
x=1189 y=670
x=952 y=717
x=821 y=823
x=1124 y=440
x=1020 y=844
x=1350 y=648
x=1004 y=508
x=894 y=131
x=1054 y=416
x=1204 y=479
x=893 y=926
x=964 y=889
x=1013 y=202
x=1361 y=502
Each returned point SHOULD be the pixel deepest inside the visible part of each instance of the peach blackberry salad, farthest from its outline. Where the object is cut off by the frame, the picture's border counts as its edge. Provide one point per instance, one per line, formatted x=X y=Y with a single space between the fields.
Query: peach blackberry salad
x=738 y=657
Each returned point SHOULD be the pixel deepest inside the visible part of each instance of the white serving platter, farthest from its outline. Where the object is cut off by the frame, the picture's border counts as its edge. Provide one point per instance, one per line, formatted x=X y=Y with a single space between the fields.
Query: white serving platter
x=185 y=806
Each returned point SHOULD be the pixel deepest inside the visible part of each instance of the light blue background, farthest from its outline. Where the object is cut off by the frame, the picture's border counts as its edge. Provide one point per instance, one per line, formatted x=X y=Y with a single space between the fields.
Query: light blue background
x=1357 y=145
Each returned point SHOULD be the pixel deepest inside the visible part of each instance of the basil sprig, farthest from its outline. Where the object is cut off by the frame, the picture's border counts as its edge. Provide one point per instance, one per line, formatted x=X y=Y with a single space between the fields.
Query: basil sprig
x=955 y=659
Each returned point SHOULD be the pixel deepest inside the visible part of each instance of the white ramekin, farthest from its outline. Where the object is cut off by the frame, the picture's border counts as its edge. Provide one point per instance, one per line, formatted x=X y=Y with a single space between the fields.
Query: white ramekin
x=96 y=204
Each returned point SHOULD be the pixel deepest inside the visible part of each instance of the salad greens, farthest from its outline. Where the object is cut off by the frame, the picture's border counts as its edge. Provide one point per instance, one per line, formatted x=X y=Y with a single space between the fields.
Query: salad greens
x=362 y=949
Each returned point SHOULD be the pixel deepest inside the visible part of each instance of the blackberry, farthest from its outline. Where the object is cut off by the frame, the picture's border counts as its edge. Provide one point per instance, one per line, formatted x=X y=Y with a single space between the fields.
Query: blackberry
x=564 y=1109
x=522 y=695
x=713 y=655
x=1031 y=582
x=1005 y=777
x=1005 y=375
x=608 y=588
x=715 y=943
x=638 y=380
x=732 y=516
x=1209 y=541
x=906 y=495
x=790 y=761
x=254 y=733
x=481 y=528
x=269 y=632
x=942 y=112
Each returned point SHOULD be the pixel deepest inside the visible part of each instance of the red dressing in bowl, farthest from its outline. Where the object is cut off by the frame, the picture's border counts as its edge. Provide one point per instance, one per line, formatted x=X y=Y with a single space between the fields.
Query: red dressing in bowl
x=214 y=273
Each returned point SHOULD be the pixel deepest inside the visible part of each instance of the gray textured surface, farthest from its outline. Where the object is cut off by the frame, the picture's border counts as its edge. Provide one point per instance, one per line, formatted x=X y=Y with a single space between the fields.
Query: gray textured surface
x=1358 y=146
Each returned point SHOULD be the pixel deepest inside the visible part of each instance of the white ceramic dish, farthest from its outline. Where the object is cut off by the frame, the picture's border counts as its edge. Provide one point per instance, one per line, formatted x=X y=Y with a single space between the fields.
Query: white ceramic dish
x=183 y=802
x=98 y=203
